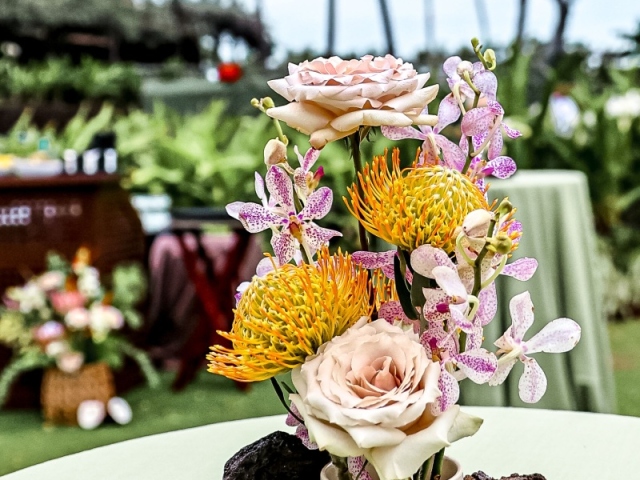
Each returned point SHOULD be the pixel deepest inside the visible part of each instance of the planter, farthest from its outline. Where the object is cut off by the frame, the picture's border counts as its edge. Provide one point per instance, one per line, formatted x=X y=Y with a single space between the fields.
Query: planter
x=62 y=393
x=451 y=470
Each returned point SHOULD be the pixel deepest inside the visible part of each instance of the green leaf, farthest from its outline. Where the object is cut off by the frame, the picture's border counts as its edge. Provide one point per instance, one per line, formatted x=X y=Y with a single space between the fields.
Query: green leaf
x=404 y=295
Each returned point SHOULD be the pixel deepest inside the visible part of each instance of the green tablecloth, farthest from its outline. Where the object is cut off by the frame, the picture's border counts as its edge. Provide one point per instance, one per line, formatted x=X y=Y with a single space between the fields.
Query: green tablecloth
x=555 y=211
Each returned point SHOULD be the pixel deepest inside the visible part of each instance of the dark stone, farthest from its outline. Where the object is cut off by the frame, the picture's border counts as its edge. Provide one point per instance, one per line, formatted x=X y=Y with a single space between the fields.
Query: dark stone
x=275 y=457
x=514 y=476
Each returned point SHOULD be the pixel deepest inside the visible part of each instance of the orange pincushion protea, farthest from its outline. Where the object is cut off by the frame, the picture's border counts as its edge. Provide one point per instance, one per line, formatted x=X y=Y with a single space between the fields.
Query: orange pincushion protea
x=284 y=317
x=415 y=206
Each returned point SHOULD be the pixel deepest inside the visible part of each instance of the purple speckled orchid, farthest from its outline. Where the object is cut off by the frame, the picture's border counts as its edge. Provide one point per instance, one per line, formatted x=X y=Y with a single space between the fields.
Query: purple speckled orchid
x=290 y=228
x=558 y=336
x=477 y=364
x=432 y=143
x=485 y=126
x=301 y=431
x=304 y=180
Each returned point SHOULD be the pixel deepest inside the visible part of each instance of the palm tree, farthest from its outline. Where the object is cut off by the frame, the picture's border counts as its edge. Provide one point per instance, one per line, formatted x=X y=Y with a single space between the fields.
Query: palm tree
x=331 y=29
x=483 y=21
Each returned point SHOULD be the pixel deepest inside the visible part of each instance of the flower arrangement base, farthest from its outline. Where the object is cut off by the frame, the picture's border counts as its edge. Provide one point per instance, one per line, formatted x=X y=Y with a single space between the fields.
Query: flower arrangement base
x=62 y=392
x=514 y=476
x=451 y=470
x=277 y=456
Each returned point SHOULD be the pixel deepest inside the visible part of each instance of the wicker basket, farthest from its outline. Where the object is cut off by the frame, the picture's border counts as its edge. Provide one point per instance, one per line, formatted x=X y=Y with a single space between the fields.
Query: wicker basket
x=62 y=393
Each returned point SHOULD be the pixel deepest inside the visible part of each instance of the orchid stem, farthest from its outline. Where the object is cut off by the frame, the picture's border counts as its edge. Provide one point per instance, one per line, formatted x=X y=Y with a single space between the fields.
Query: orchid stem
x=467 y=164
x=357 y=162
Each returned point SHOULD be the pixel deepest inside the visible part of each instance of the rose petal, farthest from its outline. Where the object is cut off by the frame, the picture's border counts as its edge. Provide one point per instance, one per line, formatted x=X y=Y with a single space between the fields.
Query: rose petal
x=522 y=269
x=305 y=117
x=558 y=336
x=417 y=99
x=320 y=138
x=521 y=309
x=352 y=120
x=533 y=382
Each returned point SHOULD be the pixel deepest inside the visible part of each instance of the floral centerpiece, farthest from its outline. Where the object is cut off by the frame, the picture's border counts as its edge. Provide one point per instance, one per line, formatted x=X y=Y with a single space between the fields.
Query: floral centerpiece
x=377 y=342
x=65 y=319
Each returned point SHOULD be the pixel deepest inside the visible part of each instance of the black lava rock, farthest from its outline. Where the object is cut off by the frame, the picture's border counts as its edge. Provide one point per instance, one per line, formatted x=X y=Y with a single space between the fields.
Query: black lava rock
x=480 y=475
x=274 y=457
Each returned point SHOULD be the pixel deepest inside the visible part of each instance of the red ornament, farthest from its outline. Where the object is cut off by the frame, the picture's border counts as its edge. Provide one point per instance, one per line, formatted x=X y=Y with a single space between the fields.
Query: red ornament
x=229 y=72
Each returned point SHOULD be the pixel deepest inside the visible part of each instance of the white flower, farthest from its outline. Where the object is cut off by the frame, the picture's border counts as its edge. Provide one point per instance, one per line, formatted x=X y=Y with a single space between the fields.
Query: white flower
x=331 y=98
x=558 y=336
x=369 y=392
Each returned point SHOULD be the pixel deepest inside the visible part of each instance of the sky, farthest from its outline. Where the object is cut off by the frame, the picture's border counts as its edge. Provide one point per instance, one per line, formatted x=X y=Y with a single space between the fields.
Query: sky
x=298 y=24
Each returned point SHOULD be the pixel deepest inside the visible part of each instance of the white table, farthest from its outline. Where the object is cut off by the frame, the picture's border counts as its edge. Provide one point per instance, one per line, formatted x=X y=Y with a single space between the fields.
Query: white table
x=560 y=445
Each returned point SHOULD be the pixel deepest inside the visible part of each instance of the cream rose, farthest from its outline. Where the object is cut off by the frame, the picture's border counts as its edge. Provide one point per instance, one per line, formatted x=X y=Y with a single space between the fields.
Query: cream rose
x=330 y=98
x=369 y=392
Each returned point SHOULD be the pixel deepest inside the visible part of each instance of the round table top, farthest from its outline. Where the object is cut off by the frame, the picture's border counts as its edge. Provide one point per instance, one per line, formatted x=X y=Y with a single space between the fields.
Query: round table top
x=559 y=444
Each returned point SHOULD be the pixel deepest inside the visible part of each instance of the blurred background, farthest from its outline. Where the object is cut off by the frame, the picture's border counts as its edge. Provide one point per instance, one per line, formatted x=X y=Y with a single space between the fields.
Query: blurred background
x=126 y=125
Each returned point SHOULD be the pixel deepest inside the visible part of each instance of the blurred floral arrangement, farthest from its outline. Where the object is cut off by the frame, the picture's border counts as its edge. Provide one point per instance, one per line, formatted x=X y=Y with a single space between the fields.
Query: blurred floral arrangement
x=65 y=318
x=377 y=342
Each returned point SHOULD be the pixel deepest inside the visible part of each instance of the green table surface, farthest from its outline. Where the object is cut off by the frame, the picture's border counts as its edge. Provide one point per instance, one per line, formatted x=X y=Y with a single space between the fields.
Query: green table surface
x=554 y=208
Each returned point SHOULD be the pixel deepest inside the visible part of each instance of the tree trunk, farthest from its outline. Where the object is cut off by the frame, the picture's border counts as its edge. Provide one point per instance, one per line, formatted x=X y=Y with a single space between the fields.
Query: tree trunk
x=331 y=28
x=557 y=46
x=522 y=18
x=386 y=22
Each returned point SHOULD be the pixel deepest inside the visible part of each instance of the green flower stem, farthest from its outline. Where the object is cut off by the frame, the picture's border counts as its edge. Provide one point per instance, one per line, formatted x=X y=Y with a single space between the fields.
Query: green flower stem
x=467 y=164
x=438 y=460
x=341 y=464
x=357 y=162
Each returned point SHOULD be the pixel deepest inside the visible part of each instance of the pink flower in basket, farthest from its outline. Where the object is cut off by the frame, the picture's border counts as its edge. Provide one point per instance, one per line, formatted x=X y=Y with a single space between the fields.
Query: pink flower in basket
x=64 y=302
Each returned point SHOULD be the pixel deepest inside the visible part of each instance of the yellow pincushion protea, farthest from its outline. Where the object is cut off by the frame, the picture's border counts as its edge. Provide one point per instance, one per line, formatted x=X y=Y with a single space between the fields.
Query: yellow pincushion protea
x=416 y=206
x=284 y=317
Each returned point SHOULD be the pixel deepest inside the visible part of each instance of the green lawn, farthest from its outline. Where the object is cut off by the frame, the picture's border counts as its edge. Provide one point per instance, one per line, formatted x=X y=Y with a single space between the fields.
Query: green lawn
x=24 y=441
x=625 y=338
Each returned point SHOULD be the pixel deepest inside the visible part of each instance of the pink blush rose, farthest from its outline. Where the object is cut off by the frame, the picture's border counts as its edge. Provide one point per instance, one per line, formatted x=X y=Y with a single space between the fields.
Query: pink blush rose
x=64 y=302
x=369 y=392
x=331 y=98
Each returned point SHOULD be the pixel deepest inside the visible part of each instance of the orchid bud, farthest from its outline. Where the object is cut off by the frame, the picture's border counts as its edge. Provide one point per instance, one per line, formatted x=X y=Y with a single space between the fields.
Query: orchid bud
x=464 y=66
x=267 y=103
x=501 y=244
x=490 y=57
x=275 y=152
x=476 y=223
x=504 y=208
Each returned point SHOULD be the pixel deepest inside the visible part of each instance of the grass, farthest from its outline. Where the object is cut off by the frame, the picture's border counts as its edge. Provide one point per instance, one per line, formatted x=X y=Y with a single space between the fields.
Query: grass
x=624 y=338
x=24 y=441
